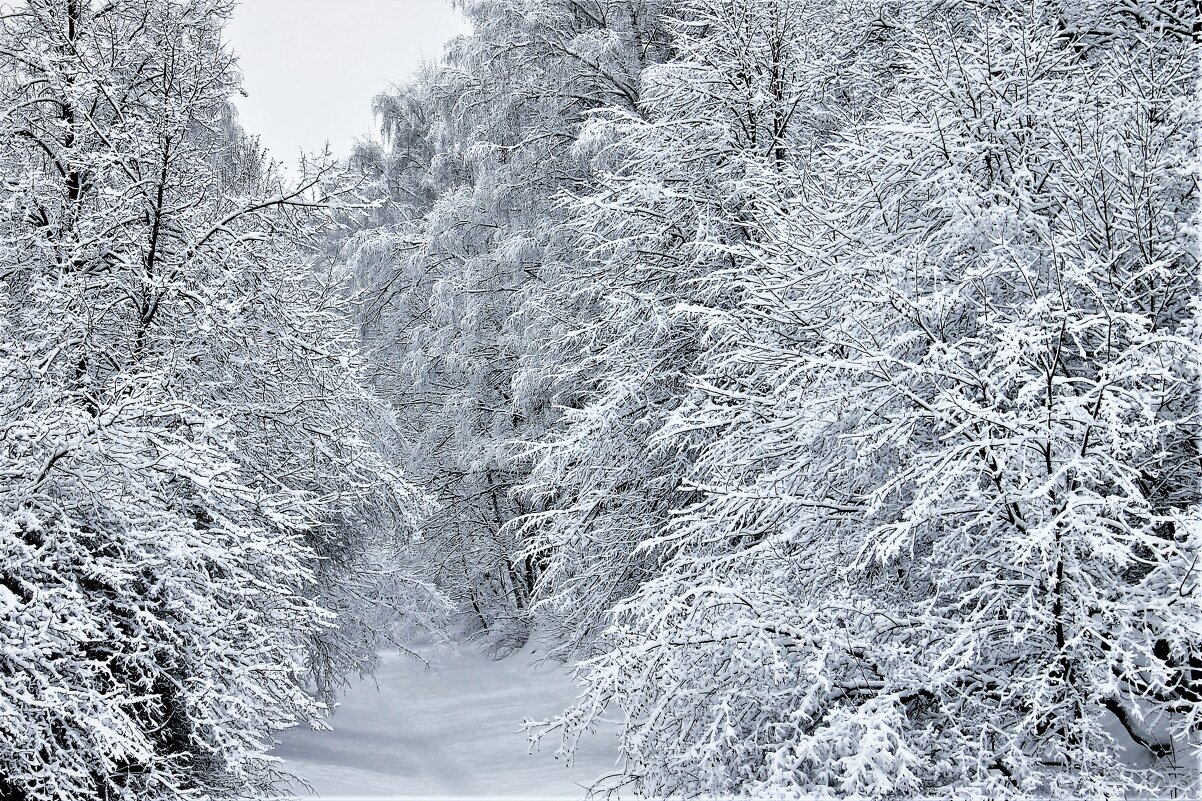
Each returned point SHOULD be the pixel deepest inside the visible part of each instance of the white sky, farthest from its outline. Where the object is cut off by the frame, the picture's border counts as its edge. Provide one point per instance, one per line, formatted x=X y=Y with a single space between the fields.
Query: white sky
x=311 y=67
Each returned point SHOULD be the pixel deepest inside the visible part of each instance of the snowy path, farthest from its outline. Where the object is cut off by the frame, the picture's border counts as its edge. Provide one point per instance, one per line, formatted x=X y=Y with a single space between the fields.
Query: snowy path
x=450 y=733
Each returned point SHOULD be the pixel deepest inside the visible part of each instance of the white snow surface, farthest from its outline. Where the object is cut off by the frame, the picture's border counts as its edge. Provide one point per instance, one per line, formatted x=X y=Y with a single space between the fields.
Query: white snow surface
x=453 y=731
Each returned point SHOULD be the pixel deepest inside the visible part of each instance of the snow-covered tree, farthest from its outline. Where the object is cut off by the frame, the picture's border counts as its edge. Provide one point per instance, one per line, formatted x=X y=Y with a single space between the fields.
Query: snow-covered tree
x=946 y=515
x=681 y=178
x=183 y=428
x=453 y=268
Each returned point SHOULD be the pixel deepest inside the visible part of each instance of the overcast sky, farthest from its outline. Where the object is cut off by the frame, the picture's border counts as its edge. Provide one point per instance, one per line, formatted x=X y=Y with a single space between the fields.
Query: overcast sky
x=311 y=67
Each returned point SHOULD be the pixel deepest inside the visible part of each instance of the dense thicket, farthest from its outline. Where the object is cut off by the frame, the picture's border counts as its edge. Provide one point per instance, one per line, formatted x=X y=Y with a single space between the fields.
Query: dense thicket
x=454 y=268
x=826 y=374
x=189 y=478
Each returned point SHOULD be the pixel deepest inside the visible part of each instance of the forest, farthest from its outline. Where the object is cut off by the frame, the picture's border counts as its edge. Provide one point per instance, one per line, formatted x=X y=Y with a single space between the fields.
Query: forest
x=819 y=377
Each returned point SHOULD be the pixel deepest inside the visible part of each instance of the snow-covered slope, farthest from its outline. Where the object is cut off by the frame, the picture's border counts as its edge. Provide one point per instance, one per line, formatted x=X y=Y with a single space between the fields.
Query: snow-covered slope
x=449 y=732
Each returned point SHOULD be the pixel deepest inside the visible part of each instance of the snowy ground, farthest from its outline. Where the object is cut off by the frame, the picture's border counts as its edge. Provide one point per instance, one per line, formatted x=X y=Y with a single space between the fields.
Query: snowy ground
x=452 y=732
